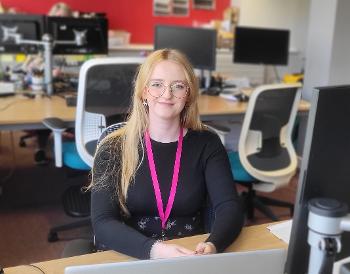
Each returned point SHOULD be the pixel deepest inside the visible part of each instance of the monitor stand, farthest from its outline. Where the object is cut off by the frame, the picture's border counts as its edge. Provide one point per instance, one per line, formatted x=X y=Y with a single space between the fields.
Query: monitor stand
x=267 y=79
x=207 y=86
x=266 y=75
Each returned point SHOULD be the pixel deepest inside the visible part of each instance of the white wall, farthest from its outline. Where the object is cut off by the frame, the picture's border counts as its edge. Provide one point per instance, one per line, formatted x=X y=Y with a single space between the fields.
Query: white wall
x=319 y=44
x=282 y=14
x=340 y=64
x=328 y=57
x=285 y=14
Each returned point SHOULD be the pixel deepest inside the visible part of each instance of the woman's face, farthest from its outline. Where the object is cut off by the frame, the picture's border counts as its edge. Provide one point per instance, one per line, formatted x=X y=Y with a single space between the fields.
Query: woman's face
x=166 y=91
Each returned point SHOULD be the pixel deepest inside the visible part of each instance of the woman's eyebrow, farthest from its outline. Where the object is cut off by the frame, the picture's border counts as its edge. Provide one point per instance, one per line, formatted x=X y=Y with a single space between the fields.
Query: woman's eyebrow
x=156 y=79
x=174 y=81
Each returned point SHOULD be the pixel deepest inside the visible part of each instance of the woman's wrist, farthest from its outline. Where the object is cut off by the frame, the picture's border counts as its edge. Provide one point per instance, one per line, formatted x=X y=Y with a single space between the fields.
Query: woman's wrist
x=153 y=254
x=212 y=246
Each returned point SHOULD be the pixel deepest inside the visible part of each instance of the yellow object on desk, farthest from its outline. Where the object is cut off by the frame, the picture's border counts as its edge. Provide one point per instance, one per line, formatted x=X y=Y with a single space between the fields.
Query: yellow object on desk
x=293 y=78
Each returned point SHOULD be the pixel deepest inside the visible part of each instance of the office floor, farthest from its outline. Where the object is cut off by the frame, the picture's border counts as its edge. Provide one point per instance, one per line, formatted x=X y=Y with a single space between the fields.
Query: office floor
x=30 y=205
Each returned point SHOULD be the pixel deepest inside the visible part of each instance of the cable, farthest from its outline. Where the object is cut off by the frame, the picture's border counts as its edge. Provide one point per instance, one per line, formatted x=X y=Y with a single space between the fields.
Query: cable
x=8 y=105
x=37 y=267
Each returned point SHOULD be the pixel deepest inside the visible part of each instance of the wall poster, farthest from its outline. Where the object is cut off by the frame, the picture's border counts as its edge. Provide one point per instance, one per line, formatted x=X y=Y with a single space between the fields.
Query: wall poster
x=170 y=7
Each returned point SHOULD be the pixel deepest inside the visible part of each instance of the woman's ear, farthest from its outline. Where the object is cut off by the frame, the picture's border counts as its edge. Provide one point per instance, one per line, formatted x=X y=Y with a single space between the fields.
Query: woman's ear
x=144 y=94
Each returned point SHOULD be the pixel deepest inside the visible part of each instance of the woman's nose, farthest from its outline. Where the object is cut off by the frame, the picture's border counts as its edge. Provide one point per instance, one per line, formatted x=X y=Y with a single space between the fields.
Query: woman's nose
x=167 y=92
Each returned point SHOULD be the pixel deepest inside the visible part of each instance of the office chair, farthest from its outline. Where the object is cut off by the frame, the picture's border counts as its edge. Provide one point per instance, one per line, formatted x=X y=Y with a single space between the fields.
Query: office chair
x=104 y=95
x=41 y=136
x=266 y=159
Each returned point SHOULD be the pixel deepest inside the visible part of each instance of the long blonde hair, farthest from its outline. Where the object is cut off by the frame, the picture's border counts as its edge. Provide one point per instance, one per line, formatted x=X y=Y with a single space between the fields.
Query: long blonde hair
x=128 y=140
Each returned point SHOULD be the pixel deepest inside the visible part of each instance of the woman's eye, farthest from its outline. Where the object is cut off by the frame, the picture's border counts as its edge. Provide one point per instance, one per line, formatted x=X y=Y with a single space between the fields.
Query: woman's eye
x=179 y=86
x=156 y=85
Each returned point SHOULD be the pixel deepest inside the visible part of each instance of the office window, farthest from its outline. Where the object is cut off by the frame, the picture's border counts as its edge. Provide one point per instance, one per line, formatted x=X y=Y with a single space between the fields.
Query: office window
x=204 y=4
x=170 y=7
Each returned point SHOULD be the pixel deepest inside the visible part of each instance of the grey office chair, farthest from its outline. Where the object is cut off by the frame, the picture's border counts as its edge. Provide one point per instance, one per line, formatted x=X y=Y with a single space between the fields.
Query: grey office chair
x=266 y=159
x=104 y=96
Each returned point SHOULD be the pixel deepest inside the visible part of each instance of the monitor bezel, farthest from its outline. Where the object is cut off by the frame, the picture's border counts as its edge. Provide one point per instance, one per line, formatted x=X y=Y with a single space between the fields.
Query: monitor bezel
x=60 y=49
x=24 y=48
x=298 y=248
x=237 y=58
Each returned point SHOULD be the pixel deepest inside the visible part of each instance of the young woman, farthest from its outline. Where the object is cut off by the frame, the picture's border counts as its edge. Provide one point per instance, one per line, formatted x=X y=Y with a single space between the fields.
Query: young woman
x=152 y=178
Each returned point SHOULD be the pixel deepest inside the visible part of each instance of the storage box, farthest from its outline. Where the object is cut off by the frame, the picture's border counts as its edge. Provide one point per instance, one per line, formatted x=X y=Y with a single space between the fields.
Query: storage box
x=118 y=38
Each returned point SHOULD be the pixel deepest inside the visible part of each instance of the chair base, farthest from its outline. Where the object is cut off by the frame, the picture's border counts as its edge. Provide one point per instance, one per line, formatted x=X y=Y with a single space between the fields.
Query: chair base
x=261 y=203
x=53 y=233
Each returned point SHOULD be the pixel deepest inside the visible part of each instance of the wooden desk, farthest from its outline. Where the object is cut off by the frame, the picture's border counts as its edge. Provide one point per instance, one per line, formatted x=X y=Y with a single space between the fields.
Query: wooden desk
x=19 y=112
x=252 y=238
x=216 y=107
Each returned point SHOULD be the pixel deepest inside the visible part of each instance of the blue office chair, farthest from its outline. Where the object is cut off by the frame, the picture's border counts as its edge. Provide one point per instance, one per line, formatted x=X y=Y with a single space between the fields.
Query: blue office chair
x=266 y=159
x=104 y=95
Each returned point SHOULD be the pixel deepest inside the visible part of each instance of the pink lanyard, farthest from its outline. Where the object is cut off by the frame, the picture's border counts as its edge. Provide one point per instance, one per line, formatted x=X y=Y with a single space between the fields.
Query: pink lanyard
x=164 y=215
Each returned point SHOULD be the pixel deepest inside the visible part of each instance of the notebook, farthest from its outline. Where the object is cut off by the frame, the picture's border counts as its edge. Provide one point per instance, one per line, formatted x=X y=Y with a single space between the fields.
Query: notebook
x=260 y=261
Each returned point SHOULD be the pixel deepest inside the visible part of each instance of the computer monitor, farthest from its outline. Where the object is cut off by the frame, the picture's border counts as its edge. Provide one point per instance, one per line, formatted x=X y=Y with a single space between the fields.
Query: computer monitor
x=261 y=46
x=249 y=262
x=325 y=169
x=66 y=29
x=30 y=27
x=199 y=45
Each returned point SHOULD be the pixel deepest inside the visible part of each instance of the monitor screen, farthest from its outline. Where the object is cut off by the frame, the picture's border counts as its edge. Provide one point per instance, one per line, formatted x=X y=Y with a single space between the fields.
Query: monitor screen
x=325 y=168
x=199 y=45
x=30 y=27
x=261 y=46
x=66 y=29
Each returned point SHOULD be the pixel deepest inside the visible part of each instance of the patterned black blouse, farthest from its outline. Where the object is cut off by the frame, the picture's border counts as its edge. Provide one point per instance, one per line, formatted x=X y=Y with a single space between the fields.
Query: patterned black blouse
x=205 y=175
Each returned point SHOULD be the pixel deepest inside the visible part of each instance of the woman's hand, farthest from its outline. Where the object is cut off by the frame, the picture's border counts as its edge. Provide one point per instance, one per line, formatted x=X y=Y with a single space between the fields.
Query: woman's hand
x=205 y=248
x=162 y=250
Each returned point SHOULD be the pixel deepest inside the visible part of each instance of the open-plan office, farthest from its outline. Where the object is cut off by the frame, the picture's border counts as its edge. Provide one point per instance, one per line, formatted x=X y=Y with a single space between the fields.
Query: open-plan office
x=25 y=111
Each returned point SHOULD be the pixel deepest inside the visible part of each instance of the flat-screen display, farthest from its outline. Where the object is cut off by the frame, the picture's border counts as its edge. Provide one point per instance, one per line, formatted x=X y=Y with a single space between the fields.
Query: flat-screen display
x=30 y=27
x=94 y=31
x=199 y=45
x=261 y=46
x=325 y=169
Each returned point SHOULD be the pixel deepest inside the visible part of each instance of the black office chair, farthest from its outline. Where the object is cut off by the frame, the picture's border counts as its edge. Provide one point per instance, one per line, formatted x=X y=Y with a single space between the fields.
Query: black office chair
x=104 y=96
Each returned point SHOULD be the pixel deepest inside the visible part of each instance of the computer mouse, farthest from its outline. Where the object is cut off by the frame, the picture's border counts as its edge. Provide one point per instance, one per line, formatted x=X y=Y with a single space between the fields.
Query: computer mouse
x=213 y=91
x=241 y=97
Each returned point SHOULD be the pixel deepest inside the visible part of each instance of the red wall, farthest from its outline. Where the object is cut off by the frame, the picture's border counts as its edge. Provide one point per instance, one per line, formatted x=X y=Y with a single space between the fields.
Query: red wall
x=135 y=16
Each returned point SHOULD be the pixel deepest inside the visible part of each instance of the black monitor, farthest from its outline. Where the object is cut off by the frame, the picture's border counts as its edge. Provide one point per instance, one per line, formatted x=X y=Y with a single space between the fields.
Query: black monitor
x=30 y=27
x=261 y=46
x=65 y=29
x=199 y=45
x=325 y=169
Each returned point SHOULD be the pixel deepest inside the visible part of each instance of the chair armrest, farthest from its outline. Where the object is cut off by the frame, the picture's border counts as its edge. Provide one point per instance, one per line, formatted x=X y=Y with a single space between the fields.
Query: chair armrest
x=54 y=123
x=221 y=131
x=58 y=127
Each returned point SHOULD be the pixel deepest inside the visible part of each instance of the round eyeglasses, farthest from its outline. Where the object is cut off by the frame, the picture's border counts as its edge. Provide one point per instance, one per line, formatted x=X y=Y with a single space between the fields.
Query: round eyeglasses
x=178 y=88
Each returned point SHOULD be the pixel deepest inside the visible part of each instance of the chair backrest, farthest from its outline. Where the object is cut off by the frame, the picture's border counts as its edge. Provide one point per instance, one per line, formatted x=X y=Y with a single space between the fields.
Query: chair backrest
x=265 y=145
x=110 y=129
x=104 y=95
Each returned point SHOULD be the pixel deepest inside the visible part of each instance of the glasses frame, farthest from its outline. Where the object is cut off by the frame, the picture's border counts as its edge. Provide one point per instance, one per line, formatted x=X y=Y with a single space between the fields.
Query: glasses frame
x=169 y=86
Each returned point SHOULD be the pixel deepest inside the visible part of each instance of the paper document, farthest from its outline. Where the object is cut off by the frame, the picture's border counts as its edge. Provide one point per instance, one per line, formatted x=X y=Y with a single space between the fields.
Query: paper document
x=230 y=97
x=281 y=230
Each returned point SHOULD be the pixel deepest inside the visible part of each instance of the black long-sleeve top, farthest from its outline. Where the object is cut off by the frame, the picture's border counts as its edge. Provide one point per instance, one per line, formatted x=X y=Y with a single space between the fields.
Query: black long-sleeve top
x=204 y=172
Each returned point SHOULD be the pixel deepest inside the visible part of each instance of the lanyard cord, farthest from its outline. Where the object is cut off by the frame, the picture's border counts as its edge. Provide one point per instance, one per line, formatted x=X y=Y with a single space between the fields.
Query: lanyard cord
x=164 y=215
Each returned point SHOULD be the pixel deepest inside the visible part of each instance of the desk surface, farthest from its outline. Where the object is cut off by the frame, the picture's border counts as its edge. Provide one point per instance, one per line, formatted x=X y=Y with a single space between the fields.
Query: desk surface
x=19 y=112
x=251 y=238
